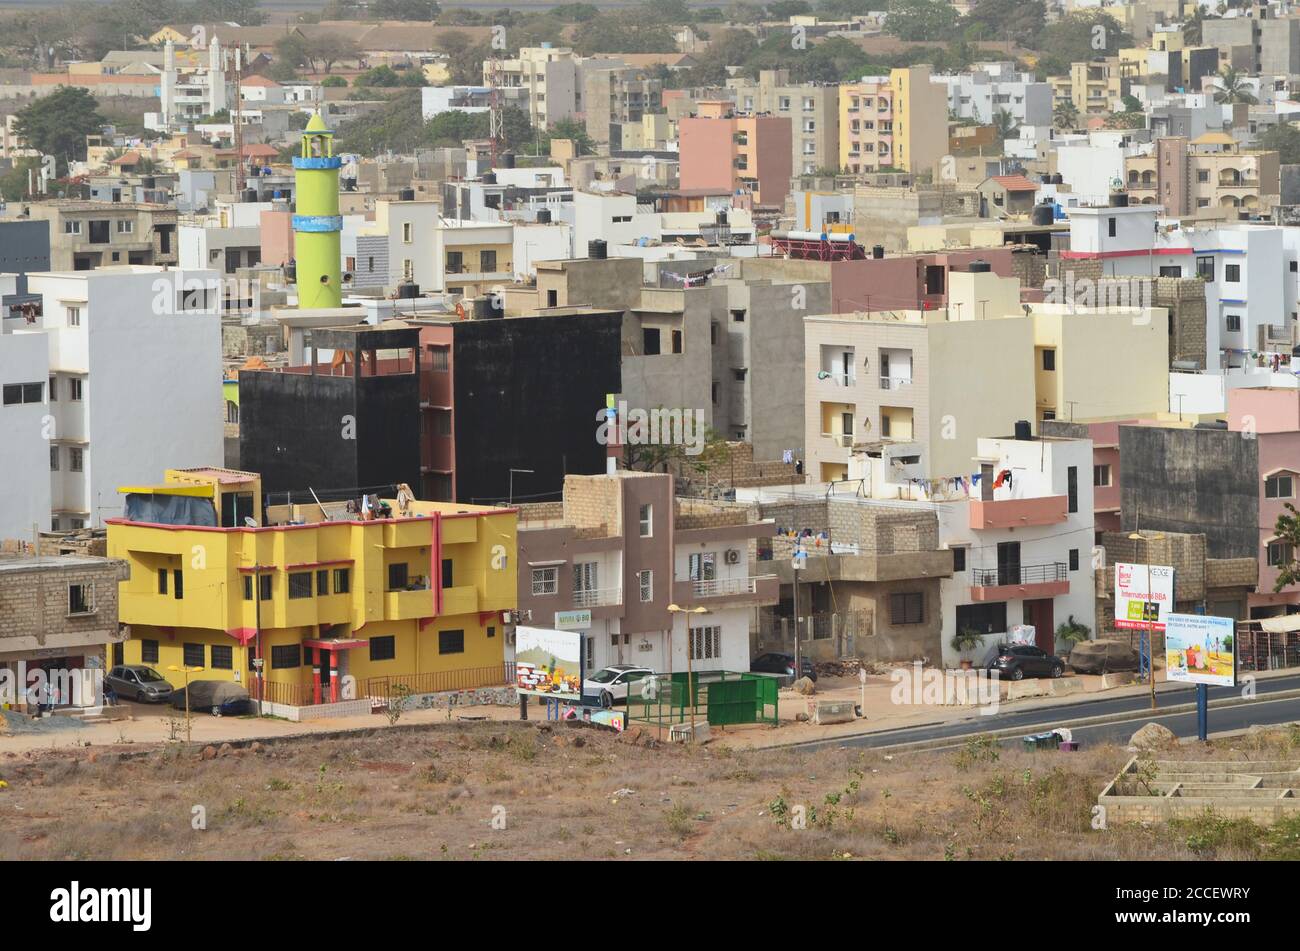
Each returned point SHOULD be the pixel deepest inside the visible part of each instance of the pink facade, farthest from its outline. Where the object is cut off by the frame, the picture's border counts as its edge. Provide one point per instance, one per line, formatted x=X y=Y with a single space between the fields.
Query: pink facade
x=277 y=237
x=722 y=152
x=1017 y=513
x=906 y=282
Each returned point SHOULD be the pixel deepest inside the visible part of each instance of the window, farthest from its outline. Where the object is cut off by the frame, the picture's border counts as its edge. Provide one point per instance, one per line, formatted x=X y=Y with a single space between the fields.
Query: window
x=72 y=227
x=1232 y=273
x=192 y=655
x=322 y=582
x=265 y=587
x=702 y=565
x=248 y=587
x=15 y=393
x=408 y=232
x=1049 y=360
x=646 y=518
x=54 y=458
x=1074 y=559
x=1279 y=487
x=300 y=584
x=492 y=632
x=148 y=652
x=76 y=459
x=646 y=583
x=585 y=578
x=906 y=608
x=545 y=581
x=54 y=390
x=738 y=316
x=1072 y=488
x=1202 y=174
x=284 y=656
x=741 y=373
x=341 y=580
x=223 y=657
x=487 y=261
x=1290 y=264
x=1205 y=267
x=397 y=577
x=958 y=559
x=81 y=599
x=178 y=584
x=125 y=227
x=451 y=642
x=383 y=648
x=455 y=262
x=1233 y=322
x=706 y=643
x=1279 y=554
x=1110 y=227
x=74 y=389
x=1101 y=476
x=448 y=576
x=74 y=316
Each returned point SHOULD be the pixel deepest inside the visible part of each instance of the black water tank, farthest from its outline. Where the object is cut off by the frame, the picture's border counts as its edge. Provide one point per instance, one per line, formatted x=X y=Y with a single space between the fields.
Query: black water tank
x=488 y=178
x=1022 y=429
x=291 y=272
x=507 y=160
x=722 y=216
x=1042 y=214
x=406 y=194
x=878 y=251
x=543 y=216
x=597 y=250
x=488 y=308
x=1119 y=199
x=979 y=267
x=408 y=290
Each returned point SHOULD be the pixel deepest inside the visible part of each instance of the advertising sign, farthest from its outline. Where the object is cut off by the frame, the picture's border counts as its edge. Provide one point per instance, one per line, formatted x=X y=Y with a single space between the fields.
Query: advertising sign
x=573 y=620
x=1140 y=606
x=1200 y=649
x=548 y=663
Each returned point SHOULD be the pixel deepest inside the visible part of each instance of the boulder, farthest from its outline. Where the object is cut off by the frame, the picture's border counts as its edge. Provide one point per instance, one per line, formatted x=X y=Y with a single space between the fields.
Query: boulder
x=1103 y=656
x=805 y=686
x=1153 y=736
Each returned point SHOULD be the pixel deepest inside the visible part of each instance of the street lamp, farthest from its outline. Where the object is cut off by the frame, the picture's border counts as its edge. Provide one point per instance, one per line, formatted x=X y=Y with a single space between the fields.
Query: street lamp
x=690 y=676
x=1151 y=647
x=186 y=671
x=511 y=498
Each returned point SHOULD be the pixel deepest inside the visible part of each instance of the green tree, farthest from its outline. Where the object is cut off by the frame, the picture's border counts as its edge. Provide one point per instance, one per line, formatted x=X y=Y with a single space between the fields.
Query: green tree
x=59 y=123
x=1287 y=530
x=1284 y=139
x=1078 y=37
x=921 y=19
x=331 y=48
x=383 y=75
x=1065 y=115
x=293 y=49
x=1017 y=20
x=426 y=10
x=784 y=9
x=333 y=82
x=616 y=33
x=13 y=183
x=1233 y=88
x=1005 y=124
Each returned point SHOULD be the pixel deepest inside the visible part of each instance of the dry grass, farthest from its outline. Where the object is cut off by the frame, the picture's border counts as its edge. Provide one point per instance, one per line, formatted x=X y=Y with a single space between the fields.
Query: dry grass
x=563 y=792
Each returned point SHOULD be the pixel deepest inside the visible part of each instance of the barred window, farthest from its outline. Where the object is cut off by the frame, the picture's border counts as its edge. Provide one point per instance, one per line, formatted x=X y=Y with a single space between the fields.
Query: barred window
x=706 y=643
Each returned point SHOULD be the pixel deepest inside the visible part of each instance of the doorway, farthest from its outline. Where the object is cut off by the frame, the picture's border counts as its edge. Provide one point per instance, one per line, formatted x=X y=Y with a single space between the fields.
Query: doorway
x=1041 y=614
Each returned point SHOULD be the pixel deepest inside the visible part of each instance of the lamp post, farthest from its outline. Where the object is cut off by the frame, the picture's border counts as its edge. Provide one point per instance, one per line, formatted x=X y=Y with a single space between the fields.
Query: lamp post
x=183 y=669
x=511 y=498
x=1151 y=651
x=690 y=671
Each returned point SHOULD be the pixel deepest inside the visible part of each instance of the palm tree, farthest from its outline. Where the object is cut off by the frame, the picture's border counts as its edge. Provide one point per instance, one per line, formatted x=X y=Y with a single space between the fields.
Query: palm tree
x=1192 y=33
x=1005 y=123
x=1065 y=115
x=1234 y=88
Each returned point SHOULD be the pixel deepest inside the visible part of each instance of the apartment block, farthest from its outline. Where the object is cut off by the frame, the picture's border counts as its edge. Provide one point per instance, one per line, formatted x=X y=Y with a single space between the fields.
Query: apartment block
x=728 y=152
x=313 y=604
x=1210 y=176
x=989 y=88
x=617 y=94
x=890 y=122
x=550 y=78
x=619 y=551
x=90 y=234
x=812 y=108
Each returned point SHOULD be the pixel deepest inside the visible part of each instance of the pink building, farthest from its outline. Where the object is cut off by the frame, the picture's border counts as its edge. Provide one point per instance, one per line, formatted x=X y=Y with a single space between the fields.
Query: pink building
x=1272 y=417
x=720 y=150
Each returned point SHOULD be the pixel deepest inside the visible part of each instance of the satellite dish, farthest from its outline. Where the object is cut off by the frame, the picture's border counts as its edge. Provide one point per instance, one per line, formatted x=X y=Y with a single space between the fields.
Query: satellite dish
x=249 y=522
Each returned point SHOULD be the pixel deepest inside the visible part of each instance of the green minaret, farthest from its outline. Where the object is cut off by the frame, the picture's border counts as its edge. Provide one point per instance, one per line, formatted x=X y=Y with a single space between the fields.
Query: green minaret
x=317 y=223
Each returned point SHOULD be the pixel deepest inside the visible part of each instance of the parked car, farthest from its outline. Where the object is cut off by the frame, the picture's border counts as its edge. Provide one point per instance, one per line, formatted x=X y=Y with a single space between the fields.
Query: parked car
x=1103 y=656
x=782 y=664
x=138 y=682
x=1017 y=661
x=215 y=696
x=611 y=684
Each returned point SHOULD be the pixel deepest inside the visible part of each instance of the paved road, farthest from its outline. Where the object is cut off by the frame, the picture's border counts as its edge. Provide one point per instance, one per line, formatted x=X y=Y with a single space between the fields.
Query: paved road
x=1238 y=717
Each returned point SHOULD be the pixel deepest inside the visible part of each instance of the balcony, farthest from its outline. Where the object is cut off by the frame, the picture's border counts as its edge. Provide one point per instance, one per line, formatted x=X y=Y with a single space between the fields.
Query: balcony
x=460 y=600
x=763 y=589
x=597 y=597
x=408 y=605
x=1023 y=581
x=1017 y=513
x=895 y=382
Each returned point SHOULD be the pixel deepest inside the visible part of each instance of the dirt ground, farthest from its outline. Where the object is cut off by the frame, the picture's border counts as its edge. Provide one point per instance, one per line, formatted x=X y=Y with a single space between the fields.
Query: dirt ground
x=517 y=791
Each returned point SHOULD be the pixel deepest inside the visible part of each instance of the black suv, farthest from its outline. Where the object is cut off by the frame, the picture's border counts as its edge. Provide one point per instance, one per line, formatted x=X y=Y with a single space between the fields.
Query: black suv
x=1016 y=661
x=783 y=664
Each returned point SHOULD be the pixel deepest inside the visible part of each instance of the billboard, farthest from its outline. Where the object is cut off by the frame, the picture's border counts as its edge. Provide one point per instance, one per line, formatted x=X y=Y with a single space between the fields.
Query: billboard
x=1200 y=649
x=548 y=663
x=1140 y=606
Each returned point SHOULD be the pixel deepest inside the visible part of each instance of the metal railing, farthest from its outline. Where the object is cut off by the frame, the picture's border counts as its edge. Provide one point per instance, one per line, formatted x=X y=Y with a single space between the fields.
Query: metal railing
x=382 y=688
x=1021 y=574
x=894 y=382
x=597 y=597
x=717 y=587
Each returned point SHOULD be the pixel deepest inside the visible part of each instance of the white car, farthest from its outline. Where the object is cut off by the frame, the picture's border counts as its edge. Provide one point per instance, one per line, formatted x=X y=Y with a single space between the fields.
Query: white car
x=610 y=685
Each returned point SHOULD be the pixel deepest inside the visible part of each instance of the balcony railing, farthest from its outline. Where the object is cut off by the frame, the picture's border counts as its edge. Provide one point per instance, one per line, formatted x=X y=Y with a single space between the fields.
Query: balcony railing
x=597 y=597
x=895 y=382
x=1022 y=574
x=718 y=587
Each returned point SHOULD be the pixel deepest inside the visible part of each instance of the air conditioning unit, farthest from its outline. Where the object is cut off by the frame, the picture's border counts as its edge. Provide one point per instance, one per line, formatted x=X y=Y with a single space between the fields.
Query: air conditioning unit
x=732 y=557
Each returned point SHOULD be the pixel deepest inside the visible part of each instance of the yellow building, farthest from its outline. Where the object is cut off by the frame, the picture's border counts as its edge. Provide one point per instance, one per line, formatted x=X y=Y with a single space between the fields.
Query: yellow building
x=895 y=121
x=336 y=604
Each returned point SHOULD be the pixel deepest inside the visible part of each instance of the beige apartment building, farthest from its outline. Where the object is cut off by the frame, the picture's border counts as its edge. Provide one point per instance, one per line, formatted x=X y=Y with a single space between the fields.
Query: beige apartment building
x=85 y=235
x=617 y=94
x=551 y=77
x=1094 y=87
x=1209 y=176
x=813 y=111
x=896 y=121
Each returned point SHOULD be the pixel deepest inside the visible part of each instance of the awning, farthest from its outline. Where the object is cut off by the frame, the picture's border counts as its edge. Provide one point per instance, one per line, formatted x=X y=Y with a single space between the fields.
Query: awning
x=1281 y=624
